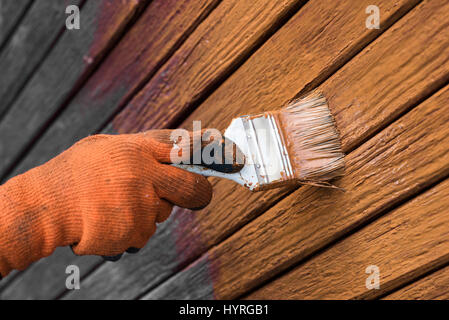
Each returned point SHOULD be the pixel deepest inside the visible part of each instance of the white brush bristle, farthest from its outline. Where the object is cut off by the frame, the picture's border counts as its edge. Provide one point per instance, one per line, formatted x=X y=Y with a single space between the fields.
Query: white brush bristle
x=312 y=139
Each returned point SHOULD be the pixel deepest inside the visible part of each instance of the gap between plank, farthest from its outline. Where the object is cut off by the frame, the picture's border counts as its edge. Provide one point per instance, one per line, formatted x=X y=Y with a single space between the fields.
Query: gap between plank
x=413 y=280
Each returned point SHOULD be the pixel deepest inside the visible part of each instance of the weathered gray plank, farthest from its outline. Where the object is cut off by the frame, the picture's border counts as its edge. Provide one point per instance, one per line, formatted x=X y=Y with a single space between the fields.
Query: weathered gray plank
x=194 y=232
x=10 y=13
x=32 y=39
x=69 y=63
x=163 y=26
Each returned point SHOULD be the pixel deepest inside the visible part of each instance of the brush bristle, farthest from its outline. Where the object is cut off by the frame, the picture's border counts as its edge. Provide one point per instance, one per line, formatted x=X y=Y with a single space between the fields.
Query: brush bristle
x=312 y=139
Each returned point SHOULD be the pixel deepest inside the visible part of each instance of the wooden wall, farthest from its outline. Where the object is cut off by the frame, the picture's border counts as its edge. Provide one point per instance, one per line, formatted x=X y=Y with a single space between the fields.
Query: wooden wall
x=139 y=65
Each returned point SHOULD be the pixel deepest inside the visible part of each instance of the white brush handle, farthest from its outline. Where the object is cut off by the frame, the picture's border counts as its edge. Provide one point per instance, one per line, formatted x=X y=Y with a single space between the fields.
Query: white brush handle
x=236 y=177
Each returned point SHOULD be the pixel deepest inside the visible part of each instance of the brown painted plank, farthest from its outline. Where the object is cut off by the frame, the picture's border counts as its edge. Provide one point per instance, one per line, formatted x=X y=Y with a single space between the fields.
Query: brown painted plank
x=187 y=234
x=432 y=287
x=403 y=245
x=69 y=63
x=228 y=36
x=398 y=163
x=30 y=43
x=11 y=11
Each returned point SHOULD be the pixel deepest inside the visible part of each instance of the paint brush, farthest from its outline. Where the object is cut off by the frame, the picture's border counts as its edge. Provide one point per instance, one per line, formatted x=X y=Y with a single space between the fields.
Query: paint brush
x=298 y=144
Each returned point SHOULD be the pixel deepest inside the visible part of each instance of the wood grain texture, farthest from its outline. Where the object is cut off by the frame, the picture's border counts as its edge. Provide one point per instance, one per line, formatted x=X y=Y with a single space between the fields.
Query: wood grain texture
x=10 y=13
x=69 y=63
x=32 y=39
x=194 y=232
x=404 y=244
x=163 y=26
x=398 y=163
x=432 y=287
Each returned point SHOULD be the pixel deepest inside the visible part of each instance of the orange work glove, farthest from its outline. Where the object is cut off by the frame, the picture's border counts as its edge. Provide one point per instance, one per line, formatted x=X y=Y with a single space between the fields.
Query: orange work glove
x=102 y=196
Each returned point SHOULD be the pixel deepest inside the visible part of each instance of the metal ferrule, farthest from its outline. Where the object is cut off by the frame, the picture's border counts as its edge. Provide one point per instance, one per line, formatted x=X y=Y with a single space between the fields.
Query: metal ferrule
x=266 y=149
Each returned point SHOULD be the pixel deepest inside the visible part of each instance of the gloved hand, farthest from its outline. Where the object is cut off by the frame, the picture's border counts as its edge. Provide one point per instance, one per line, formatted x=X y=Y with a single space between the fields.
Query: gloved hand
x=103 y=196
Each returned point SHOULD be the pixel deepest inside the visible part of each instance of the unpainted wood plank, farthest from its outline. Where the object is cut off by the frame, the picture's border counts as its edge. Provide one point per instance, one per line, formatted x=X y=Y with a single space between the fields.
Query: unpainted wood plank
x=69 y=63
x=188 y=234
x=10 y=13
x=434 y=286
x=402 y=245
x=398 y=163
x=64 y=69
x=33 y=38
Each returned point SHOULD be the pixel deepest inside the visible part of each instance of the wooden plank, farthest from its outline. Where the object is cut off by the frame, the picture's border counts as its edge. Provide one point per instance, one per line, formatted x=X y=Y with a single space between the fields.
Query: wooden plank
x=403 y=245
x=398 y=163
x=11 y=11
x=163 y=25
x=432 y=287
x=76 y=54
x=28 y=46
x=188 y=234
x=65 y=68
